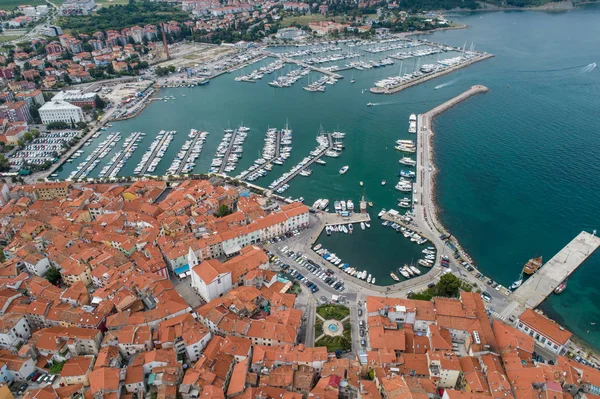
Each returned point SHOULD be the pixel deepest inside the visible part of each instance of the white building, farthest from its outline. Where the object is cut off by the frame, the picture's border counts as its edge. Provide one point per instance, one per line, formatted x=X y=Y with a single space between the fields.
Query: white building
x=547 y=333
x=29 y=11
x=60 y=111
x=290 y=34
x=211 y=279
x=195 y=342
x=14 y=331
x=42 y=9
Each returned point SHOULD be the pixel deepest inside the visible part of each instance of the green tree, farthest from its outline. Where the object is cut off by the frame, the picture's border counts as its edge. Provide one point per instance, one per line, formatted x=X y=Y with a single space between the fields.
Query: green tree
x=28 y=136
x=52 y=275
x=448 y=286
x=100 y=104
x=4 y=164
x=223 y=211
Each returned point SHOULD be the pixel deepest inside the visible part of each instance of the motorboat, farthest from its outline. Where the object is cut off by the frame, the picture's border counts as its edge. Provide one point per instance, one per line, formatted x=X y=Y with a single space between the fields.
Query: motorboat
x=344 y=169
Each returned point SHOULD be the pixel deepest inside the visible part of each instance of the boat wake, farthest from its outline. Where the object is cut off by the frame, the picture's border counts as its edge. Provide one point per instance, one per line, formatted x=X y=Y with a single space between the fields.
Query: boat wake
x=588 y=68
x=383 y=103
x=445 y=84
x=560 y=69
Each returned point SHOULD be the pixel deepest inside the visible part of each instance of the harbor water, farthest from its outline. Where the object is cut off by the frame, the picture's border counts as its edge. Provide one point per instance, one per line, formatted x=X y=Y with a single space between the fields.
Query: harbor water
x=518 y=171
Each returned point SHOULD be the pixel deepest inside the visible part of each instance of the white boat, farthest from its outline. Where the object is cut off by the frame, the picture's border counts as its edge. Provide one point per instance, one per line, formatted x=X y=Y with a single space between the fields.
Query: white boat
x=415 y=270
x=362 y=225
x=369 y=279
x=344 y=169
x=381 y=213
x=368 y=225
x=317 y=247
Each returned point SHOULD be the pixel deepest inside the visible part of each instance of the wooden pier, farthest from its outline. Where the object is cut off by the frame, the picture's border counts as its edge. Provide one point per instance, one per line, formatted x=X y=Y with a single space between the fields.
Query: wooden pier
x=538 y=287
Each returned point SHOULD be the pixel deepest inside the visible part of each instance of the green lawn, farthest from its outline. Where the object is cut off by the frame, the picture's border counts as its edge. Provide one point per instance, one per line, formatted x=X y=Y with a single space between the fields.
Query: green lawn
x=335 y=343
x=106 y=3
x=336 y=312
x=306 y=19
x=10 y=4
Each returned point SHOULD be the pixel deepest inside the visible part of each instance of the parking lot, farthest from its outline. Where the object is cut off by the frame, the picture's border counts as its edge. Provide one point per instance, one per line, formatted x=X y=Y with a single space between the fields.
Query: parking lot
x=46 y=147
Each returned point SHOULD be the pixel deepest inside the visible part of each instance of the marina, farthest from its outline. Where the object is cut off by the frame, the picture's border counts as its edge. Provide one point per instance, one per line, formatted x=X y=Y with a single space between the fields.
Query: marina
x=277 y=148
x=84 y=168
x=230 y=150
x=155 y=153
x=427 y=72
x=118 y=161
x=185 y=160
x=326 y=146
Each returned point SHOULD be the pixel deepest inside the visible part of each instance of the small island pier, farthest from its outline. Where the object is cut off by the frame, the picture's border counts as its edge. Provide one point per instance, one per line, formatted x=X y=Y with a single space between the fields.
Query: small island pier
x=539 y=286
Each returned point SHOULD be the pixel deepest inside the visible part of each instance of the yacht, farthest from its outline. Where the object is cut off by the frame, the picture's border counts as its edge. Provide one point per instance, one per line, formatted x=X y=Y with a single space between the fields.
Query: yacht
x=380 y=214
x=344 y=169
x=408 y=161
x=362 y=225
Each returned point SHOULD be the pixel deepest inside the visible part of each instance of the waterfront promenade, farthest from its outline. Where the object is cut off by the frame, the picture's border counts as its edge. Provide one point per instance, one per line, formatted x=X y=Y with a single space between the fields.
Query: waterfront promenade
x=539 y=286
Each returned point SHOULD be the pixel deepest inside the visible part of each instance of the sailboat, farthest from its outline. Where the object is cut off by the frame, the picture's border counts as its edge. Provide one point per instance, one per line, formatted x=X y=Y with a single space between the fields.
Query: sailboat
x=352 y=80
x=517 y=283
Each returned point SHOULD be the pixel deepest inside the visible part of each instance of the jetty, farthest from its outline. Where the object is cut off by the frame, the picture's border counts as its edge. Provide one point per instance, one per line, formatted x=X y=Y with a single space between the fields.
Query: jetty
x=425 y=169
x=332 y=219
x=305 y=65
x=116 y=137
x=228 y=151
x=309 y=163
x=425 y=78
x=539 y=286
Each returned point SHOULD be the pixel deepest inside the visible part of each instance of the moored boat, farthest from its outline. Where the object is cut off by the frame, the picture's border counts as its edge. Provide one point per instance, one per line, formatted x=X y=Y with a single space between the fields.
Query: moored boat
x=532 y=265
x=394 y=277
x=561 y=287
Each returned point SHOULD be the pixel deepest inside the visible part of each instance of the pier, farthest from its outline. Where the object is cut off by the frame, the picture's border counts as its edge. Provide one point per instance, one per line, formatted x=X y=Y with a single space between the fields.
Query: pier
x=188 y=152
x=425 y=169
x=331 y=219
x=425 y=78
x=116 y=137
x=290 y=177
x=539 y=286
x=228 y=152
x=133 y=142
x=305 y=65
x=156 y=151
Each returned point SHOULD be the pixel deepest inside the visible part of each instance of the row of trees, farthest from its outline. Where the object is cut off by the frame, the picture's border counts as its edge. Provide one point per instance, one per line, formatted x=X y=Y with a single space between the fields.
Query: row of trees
x=118 y=17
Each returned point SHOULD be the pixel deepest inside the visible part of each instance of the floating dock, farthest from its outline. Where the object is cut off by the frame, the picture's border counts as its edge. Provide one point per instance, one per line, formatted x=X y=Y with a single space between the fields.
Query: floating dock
x=155 y=152
x=228 y=152
x=133 y=142
x=188 y=152
x=290 y=177
x=116 y=137
x=305 y=65
x=425 y=78
x=332 y=219
x=539 y=286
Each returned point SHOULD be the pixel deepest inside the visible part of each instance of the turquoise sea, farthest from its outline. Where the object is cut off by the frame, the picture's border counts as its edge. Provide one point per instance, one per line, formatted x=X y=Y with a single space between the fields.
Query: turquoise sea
x=519 y=170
